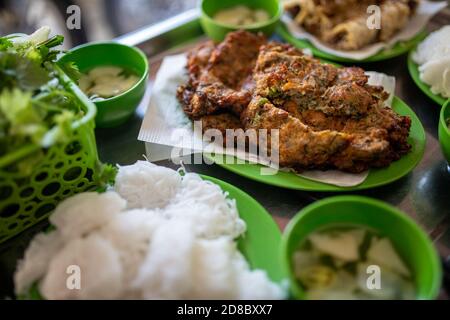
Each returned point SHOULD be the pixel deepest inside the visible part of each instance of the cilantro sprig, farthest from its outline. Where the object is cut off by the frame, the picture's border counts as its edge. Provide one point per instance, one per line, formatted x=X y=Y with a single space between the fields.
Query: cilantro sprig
x=33 y=101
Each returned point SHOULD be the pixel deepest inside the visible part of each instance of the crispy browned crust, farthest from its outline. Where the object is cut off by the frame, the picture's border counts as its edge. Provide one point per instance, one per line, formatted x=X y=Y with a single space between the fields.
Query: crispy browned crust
x=220 y=77
x=327 y=117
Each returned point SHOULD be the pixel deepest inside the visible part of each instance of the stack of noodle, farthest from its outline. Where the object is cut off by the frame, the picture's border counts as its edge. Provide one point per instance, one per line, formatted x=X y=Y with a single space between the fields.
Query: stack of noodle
x=158 y=235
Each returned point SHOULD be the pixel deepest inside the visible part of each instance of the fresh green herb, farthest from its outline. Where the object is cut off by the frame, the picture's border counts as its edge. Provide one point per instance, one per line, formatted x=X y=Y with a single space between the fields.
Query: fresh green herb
x=262 y=102
x=26 y=65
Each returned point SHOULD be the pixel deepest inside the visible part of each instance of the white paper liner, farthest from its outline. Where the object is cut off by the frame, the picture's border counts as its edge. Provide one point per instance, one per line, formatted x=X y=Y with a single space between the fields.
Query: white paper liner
x=425 y=11
x=168 y=131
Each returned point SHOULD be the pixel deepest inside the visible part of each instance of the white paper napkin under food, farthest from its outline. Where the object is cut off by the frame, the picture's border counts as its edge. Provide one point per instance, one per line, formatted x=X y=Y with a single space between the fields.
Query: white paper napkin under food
x=167 y=130
x=425 y=11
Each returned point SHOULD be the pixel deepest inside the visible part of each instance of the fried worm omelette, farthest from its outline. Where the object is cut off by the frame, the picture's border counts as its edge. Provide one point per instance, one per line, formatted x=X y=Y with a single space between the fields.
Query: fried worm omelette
x=328 y=117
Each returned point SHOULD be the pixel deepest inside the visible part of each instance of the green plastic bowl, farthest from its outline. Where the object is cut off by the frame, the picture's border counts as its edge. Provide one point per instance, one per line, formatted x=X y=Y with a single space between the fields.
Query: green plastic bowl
x=217 y=31
x=114 y=111
x=444 y=131
x=412 y=243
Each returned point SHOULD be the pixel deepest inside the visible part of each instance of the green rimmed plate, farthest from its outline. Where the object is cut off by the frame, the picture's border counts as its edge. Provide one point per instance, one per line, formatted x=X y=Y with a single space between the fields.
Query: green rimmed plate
x=376 y=178
x=415 y=75
x=261 y=243
x=397 y=50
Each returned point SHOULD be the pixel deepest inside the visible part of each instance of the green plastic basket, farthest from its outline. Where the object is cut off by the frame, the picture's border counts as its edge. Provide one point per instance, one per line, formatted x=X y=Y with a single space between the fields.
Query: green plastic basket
x=66 y=169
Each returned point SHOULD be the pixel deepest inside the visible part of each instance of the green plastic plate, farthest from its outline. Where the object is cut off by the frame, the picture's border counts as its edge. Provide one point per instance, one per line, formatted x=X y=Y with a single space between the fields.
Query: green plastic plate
x=415 y=74
x=376 y=178
x=397 y=50
x=261 y=244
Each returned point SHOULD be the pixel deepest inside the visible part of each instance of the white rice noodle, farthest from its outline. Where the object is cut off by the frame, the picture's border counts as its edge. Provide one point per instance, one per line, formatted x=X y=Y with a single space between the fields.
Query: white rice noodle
x=37 y=258
x=207 y=207
x=157 y=236
x=200 y=269
x=130 y=234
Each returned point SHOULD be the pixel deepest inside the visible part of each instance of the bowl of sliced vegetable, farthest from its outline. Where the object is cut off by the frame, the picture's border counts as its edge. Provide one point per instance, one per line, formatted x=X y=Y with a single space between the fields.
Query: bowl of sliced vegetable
x=352 y=247
x=114 y=76
x=444 y=130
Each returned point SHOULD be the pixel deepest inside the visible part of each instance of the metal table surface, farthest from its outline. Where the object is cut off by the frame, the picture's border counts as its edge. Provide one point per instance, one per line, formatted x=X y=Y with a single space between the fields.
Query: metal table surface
x=423 y=194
